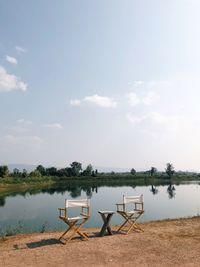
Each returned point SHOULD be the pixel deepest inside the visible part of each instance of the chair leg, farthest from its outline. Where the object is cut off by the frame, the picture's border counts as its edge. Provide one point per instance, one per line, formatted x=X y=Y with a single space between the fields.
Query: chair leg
x=136 y=226
x=122 y=225
x=130 y=228
x=132 y=221
x=74 y=228
x=84 y=235
x=70 y=227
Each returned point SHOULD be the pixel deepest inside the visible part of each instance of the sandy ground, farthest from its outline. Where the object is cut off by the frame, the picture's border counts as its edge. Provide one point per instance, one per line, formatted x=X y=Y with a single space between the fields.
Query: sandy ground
x=163 y=243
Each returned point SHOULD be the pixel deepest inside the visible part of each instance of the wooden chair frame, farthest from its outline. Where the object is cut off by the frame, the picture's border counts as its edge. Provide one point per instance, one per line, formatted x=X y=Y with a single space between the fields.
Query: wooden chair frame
x=74 y=223
x=131 y=216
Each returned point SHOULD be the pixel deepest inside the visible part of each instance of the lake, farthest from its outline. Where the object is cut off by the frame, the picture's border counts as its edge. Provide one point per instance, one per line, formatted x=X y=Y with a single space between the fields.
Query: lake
x=37 y=210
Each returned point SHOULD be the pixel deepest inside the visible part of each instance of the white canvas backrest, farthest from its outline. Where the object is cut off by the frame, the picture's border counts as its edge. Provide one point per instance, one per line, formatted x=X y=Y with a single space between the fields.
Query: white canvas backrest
x=133 y=199
x=69 y=203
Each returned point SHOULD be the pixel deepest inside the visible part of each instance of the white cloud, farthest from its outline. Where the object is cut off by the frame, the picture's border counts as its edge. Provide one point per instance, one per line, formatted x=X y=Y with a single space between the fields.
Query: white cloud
x=157 y=122
x=75 y=102
x=152 y=116
x=138 y=83
x=53 y=126
x=10 y=82
x=101 y=101
x=134 y=119
x=20 y=49
x=133 y=99
x=24 y=121
x=11 y=60
x=150 y=98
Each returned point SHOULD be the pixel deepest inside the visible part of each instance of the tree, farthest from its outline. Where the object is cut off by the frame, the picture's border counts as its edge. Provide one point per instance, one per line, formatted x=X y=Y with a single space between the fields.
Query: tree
x=52 y=171
x=4 y=171
x=133 y=171
x=88 y=171
x=153 y=171
x=24 y=173
x=41 y=169
x=35 y=173
x=62 y=172
x=169 y=170
x=16 y=172
x=76 y=167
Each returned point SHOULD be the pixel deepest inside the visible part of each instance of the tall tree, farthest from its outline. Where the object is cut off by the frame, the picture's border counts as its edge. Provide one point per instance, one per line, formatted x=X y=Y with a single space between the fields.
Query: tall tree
x=16 y=172
x=153 y=171
x=24 y=173
x=133 y=171
x=4 y=171
x=169 y=170
x=52 y=171
x=76 y=167
x=41 y=169
x=88 y=171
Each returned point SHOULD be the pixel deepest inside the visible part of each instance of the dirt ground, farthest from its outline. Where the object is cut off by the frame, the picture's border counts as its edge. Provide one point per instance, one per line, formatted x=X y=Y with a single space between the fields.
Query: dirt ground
x=163 y=243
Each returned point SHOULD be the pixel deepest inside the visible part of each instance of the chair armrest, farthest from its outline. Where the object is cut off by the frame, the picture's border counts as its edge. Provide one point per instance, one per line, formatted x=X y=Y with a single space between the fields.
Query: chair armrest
x=120 y=206
x=141 y=206
x=61 y=211
x=85 y=211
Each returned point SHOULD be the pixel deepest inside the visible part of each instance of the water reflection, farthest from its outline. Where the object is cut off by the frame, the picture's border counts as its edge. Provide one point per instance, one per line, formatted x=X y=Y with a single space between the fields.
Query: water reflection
x=75 y=189
x=154 y=190
x=74 y=192
x=171 y=191
x=2 y=201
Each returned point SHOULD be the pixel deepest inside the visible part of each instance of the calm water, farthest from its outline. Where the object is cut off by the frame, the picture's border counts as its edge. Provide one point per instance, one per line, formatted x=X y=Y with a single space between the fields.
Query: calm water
x=34 y=209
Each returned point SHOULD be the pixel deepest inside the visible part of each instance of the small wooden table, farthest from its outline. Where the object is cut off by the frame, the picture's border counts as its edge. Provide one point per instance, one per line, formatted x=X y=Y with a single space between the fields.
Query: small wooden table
x=106 y=216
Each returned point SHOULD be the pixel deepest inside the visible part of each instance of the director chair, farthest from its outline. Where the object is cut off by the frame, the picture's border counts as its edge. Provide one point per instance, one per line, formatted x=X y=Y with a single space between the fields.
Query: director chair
x=131 y=216
x=74 y=223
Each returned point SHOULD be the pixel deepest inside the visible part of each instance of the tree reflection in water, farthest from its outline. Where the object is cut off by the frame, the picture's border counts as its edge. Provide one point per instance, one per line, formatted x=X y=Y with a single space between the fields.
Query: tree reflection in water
x=2 y=201
x=154 y=190
x=171 y=191
x=76 y=188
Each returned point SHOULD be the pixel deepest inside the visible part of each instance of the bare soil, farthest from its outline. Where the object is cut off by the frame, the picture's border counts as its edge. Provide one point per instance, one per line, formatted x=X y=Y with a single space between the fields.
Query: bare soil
x=163 y=243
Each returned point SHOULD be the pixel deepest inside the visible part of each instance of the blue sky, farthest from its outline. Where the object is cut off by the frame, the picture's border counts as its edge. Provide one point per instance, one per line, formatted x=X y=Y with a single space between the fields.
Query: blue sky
x=111 y=83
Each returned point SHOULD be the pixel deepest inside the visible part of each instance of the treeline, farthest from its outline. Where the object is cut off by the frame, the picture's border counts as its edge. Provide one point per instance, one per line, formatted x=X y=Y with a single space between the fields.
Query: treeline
x=74 y=170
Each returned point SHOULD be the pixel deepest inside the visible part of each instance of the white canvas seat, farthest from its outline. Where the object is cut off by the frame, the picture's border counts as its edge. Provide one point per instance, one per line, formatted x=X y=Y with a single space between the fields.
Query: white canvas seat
x=74 y=223
x=76 y=218
x=136 y=203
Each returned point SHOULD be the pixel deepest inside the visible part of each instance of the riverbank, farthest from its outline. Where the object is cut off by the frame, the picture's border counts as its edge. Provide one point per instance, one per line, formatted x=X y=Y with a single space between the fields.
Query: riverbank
x=23 y=187
x=163 y=243
x=11 y=185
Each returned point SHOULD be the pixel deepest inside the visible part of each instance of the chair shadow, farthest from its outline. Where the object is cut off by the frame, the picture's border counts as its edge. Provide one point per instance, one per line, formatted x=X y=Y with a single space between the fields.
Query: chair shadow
x=97 y=234
x=54 y=241
x=42 y=243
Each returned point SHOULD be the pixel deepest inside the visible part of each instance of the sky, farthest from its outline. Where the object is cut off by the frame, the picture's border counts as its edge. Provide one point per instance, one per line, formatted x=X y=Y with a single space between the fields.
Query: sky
x=112 y=83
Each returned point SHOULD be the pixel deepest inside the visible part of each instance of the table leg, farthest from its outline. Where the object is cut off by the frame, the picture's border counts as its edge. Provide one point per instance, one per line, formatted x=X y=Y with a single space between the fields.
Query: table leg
x=106 y=224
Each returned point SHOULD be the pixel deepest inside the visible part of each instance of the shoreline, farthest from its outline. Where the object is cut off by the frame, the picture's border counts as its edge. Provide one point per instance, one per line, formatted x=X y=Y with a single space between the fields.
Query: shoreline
x=12 y=187
x=171 y=242
x=96 y=229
